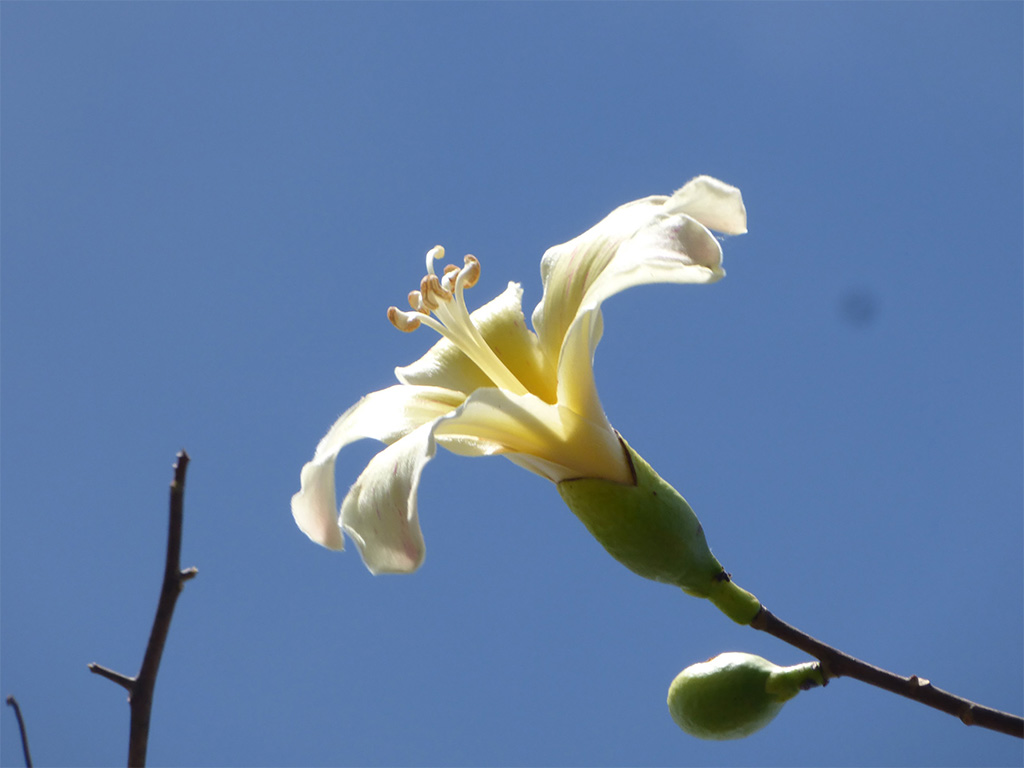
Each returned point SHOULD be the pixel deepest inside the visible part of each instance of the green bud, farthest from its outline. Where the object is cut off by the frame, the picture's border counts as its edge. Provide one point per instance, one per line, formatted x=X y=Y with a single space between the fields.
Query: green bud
x=735 y=694
x=649 y=528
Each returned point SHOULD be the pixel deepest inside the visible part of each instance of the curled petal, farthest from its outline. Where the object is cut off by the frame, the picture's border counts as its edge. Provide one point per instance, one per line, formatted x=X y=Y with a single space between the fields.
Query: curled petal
x=715 y=204
x=655 y=239
x=379 y=512
x=385 y=415
x=671 y=249
x=568 y=270
x=668 y=249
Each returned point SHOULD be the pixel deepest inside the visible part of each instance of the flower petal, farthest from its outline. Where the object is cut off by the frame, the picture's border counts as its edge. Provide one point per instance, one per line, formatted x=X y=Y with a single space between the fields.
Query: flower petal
x=673 y=249
x=568 y=270
x=715 y=204
x=577 y=389
x=655 y=239
x=386 y=415
x=551 y=440
x=379 y=512
x=503 y=326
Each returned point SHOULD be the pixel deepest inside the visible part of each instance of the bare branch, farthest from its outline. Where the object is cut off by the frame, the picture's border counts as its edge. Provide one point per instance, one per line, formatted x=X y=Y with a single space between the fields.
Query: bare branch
x=117 y=677
x=835 y=663
x=140 y=688
x=13 y=702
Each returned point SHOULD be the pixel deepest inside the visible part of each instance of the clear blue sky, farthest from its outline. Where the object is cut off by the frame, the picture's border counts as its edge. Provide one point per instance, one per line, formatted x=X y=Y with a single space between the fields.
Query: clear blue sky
x=207 y=209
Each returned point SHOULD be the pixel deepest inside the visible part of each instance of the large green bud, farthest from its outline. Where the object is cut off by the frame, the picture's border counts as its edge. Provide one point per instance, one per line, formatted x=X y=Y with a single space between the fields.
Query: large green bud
x=735 y=694
x=649 y=528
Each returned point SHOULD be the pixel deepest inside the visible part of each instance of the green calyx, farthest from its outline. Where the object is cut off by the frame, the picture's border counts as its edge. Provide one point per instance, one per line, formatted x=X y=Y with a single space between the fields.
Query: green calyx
x=649 y=528
x=735 y=694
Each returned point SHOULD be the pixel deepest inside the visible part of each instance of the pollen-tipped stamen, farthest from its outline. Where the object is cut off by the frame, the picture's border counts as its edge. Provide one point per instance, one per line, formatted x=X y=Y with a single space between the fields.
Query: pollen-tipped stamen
x=453 y=321
x=470 y=273
x=404 y=321
x=451 y=274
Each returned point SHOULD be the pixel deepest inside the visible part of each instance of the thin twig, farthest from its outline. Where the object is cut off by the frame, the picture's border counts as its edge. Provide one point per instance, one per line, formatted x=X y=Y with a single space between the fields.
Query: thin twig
x=835 y=663
x=117 y=677
x=140 y=688
x=11 y=701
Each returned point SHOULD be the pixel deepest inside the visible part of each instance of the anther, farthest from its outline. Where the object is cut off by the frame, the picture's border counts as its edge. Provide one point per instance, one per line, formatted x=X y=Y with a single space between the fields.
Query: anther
x=470 y=272
x=403 y=321
x=453 y=321
x=451 y=274
x=433 y=291
x=426 y=295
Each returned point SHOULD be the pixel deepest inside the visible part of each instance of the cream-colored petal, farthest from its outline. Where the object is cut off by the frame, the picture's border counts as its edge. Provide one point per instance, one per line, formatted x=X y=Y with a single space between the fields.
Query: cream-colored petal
x=494 y=421
x=577 y=389
x=385 y=415
x=503 y=326
x=715 y=204
x=669 y=249
x=655 y=239
x=379 y=512
x=568 y=270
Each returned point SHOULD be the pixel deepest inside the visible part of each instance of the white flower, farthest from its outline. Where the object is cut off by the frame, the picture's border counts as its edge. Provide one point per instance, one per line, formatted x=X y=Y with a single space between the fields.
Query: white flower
x=493 y=386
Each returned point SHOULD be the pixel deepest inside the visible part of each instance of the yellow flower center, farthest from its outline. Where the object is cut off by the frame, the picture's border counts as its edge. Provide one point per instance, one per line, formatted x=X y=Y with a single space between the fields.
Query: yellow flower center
x=443 y=296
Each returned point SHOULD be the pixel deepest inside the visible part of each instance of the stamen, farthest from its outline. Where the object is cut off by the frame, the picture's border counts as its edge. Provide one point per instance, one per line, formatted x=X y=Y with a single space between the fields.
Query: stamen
x=433 y=291
x=404 y=321
x=471 y=271
x=453 y=322
x=426 y=295
x=451 y=274
x=437 y=252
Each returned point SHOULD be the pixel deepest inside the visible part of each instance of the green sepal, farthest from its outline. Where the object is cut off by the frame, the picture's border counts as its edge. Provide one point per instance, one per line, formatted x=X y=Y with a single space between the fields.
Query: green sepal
x=649 y=528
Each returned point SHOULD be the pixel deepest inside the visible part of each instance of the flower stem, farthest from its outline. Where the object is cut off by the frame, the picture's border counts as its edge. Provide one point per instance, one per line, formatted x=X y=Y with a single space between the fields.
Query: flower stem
x=835 y=663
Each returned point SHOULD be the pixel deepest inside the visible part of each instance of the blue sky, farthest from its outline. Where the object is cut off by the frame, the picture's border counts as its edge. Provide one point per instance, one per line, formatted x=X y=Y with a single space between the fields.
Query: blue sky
x=207 y=209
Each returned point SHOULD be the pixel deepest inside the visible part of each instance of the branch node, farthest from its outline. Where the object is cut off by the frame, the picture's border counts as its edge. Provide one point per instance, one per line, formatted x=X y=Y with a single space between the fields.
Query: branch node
x=967 y=715
x=826 y=671
x=760 y=621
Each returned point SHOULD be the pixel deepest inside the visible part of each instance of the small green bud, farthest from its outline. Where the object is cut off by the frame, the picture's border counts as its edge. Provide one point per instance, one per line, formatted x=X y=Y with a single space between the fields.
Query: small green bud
x=649 y=528
x=735 y=694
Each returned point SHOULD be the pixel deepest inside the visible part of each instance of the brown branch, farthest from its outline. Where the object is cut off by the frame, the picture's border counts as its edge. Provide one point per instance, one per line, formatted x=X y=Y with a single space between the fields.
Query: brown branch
x=835 y=663
x=140 y=688
x=117 y=677
x=11 y=701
